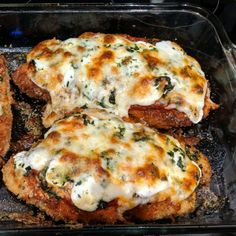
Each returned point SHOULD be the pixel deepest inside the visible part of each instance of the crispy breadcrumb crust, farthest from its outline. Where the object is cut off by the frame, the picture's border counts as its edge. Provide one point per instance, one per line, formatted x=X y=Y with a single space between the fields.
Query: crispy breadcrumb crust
x=155 y=115
x=29 y=188
x=5 y=109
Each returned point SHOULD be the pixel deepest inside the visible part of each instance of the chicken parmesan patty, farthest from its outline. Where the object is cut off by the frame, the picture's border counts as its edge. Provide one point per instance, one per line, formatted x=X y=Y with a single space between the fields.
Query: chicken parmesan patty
x=147 y=80
x=5 y=109
x=94 y=167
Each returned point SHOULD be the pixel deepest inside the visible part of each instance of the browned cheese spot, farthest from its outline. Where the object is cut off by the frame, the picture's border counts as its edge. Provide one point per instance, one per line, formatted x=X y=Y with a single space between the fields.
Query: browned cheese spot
x=152 y=61
x=69 y=157
x=149 y=172
x=109 y=38
x=141 y=88
x=54 y=136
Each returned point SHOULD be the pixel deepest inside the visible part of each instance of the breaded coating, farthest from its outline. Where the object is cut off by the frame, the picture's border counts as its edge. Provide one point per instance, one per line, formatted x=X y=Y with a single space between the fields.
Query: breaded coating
x=5 y=109
x=29 y=189
x=158 y=114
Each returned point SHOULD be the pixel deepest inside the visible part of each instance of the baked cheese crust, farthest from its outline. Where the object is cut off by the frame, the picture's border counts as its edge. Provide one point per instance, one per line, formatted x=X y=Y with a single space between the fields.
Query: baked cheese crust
x=151 y=81
x=93 y=166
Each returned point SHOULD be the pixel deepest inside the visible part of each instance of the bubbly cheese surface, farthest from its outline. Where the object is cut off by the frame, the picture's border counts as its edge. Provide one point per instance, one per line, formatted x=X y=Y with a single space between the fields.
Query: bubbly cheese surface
x=95 y=156
x=113 y=72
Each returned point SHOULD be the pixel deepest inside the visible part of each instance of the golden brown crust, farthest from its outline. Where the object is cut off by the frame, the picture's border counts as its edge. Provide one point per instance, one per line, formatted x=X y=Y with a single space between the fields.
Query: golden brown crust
x=155 y=115
x=5 y=109
x=162 y=210
x=22 y=80
x=168 y=209
x=29 y=189
x=158 y=116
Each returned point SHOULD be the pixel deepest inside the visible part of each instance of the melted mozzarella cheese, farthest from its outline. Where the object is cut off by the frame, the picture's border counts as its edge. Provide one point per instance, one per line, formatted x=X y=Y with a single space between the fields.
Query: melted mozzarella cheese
x=96 y=157
x=88 y=71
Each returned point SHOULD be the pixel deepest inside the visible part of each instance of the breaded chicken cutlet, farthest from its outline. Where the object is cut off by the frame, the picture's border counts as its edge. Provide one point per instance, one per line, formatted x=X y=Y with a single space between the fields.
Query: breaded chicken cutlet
x=147 y=80
x=94 y=167
x=5 y=109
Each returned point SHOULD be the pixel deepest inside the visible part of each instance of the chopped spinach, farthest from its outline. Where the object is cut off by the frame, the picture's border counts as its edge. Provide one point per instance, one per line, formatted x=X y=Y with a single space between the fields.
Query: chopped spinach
x=132 y=48
x=102 y=103
x=85 y=95
x=181 y=156
x=84 y=106
x=180 y=164
x=87 y=121
x=68 y=179
x=119 y=64
x=120 y=133
x=172 y=155
x=78 y=183
x=42 y=174
x=140 y=137
x=168 y=85
x=21 y=165
x=107 y=159
x=49 y=191
x=180 y=150
x=27 y=169
x=112 y=97
x=153 y=49
x=1 y=79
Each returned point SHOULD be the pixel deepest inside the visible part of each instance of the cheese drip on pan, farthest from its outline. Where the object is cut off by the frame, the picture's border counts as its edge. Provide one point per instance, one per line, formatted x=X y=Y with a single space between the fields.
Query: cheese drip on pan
x=112 y=72
x=95 y=156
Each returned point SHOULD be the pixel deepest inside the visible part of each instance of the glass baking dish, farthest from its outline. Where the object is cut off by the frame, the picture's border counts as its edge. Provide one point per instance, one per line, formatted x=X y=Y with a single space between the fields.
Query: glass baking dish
x=201 y=35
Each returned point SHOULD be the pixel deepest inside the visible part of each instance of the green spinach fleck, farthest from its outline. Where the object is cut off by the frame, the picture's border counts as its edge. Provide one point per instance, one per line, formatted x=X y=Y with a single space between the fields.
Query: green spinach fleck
x=86 y=120
x=78 y=183
x=132 y=48
x=84 y=106
x=120 y=133
x=172 y=155
x=180 y=164
x=27 y=171
x=107 y=160
x=140 y=137
x=102 y=103
x=168 y=85
x=112 y=97
x=49 y=191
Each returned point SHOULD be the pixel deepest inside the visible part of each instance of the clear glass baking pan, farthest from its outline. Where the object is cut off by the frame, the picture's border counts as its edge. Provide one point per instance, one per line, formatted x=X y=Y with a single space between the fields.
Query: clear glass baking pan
x=201 y=35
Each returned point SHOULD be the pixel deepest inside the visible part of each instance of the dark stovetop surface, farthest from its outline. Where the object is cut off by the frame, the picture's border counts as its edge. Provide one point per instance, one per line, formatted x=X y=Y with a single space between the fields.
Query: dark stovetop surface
x=224 y=9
